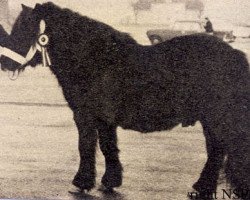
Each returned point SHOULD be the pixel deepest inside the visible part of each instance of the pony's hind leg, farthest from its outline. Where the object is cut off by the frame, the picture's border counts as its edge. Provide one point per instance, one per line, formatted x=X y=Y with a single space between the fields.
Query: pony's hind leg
x=85 y=177
x=238 y=162
x=108 y=144
x=207 y=183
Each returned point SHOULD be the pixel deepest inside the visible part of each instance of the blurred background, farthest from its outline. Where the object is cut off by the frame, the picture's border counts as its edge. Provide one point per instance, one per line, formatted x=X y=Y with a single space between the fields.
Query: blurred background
x=224 y=14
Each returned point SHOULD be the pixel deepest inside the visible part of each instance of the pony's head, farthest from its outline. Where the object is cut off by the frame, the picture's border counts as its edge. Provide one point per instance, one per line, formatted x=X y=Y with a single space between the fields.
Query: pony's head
x=69 y=38
x=3 y=36
x=20 y=49
x=3 y=40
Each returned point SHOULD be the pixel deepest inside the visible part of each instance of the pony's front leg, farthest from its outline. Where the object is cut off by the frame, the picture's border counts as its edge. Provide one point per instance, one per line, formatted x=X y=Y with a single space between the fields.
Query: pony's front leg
x=108 y=144
x=85 y=177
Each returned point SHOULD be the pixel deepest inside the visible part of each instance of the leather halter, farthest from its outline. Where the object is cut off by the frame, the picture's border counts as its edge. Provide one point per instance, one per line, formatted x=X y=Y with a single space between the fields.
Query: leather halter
x=40 y=46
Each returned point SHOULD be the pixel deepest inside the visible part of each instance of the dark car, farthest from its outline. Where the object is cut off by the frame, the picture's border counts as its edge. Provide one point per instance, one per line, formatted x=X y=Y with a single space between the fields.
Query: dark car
x=185 y=28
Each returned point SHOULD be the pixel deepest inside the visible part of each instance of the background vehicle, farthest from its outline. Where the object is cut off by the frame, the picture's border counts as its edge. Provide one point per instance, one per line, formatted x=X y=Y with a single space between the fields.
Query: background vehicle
x=185 y=27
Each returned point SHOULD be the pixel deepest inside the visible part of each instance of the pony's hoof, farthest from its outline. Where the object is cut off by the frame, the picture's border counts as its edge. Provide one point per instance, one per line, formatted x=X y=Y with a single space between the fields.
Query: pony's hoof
x=204 y=192
x=197 y=186
x=83 y=183
x=204 y=188
x=104 y=189
x=112 y=180
x=113 y=176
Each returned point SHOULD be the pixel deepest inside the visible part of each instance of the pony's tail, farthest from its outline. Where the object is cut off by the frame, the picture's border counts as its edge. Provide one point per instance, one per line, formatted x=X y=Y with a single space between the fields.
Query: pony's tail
x=238 y=157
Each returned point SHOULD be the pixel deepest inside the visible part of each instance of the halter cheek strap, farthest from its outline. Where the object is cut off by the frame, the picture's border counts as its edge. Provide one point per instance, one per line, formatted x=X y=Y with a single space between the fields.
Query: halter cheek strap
x=40 y=45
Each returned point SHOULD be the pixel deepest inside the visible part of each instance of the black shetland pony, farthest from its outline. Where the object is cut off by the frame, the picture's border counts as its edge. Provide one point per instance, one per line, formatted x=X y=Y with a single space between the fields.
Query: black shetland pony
x=109 y=80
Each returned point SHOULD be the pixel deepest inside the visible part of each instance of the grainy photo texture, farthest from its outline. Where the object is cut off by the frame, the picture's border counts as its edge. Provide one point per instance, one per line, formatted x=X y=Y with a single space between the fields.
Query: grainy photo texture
x=125 y=99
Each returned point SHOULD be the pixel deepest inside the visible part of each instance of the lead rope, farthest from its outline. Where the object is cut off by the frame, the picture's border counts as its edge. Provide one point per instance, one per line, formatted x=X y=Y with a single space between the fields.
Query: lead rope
x=40 y=45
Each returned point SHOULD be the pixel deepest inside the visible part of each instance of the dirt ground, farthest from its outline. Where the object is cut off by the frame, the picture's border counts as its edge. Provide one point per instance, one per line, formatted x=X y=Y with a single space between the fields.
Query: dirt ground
x=39 y=156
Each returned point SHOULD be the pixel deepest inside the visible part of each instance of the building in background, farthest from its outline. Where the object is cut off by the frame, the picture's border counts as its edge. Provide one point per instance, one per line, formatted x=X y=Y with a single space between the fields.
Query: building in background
x=4 y=10
x=166 y=11
x=226 y=11
x=5 y=18
x=112 y=12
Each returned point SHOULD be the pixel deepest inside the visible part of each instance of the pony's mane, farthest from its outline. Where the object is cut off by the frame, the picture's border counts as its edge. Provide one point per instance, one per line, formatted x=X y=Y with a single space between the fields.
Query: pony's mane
x=74 y=21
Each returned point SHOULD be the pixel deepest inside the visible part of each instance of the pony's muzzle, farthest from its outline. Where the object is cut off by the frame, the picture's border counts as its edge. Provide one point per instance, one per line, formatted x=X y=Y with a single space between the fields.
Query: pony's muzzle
x=12 y=55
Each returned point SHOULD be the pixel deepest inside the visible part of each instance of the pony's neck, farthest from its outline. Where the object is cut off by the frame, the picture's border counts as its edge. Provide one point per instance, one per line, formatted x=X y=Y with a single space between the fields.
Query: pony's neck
x=81 y=48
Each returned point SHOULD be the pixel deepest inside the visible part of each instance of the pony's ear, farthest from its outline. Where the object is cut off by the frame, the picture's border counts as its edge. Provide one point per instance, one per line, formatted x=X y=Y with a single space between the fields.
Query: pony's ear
x=38 y=11
x=37 y=6
x=25 y=7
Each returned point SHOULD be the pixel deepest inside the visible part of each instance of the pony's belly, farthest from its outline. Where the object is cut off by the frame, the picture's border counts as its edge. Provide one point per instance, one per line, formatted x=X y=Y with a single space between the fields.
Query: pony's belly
x=148 y=123
x=147 y=127
x=148 y=112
